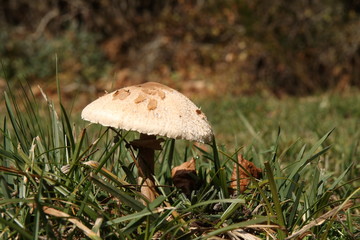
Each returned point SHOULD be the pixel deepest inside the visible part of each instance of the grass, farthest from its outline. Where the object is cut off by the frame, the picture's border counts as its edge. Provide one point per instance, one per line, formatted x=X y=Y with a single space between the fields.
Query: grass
x=65 y=179
x=252 y=122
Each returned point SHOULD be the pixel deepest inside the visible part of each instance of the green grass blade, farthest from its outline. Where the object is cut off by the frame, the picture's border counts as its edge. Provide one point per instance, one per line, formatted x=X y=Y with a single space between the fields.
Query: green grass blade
x=23 y=232
x=105 y=158
x=294 y=207
x=37 y=210
x=276 y=200
x=58 y=88
x=106 y=173
x=124 y=197
x=221 y=173
x=234 y=226
x=249 y=127
x=331 y=222
x=67 y=127
x=208 y=202
x=315 y=181
x=149 y=210
x=20 y=134
x=341 y=177
x=168 y=159
x=75 y=158
x=310 y=155
x=228 y=213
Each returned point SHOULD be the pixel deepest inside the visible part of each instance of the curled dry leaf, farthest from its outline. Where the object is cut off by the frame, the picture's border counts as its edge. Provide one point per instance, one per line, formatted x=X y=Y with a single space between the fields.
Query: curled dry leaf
x=240 y=178
x=184 y=176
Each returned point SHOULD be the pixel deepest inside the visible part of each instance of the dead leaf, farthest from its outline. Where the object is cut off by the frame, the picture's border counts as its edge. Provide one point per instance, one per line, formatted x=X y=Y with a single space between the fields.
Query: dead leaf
x=242 y=234
x=240 y=177
x=147 y=189
x=305 y=230
x=56 y=213
x=184 y=176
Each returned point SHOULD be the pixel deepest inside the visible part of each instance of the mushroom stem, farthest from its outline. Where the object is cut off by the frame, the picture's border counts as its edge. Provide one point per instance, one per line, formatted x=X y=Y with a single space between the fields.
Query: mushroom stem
x=146 y=168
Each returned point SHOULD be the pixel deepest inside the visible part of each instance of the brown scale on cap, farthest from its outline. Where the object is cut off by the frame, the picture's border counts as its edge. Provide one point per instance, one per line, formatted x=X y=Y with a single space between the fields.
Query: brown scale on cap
x=121 y=94
x=149 y=91
x=199 y=112
x=151 y=88
x=161 y=94
x=152 y=92
x=152 y=104
x=140 y=99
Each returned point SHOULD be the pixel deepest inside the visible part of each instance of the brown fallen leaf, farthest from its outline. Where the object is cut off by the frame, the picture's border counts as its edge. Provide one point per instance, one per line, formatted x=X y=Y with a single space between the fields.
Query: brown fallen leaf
x=56 y=213
x=147 y=189
x=242 y=234
x=184 y=176
x=240 y=178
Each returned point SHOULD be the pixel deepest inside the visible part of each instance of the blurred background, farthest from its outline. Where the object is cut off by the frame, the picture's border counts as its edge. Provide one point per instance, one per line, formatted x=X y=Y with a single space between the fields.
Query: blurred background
x=207 y=48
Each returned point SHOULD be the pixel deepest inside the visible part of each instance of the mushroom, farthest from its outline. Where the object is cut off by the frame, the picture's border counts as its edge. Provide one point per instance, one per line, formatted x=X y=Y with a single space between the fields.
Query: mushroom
x=152 y=109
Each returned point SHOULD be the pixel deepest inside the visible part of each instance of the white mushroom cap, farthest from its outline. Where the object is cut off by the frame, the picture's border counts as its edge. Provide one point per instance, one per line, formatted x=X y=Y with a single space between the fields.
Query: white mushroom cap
x=153 y=109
